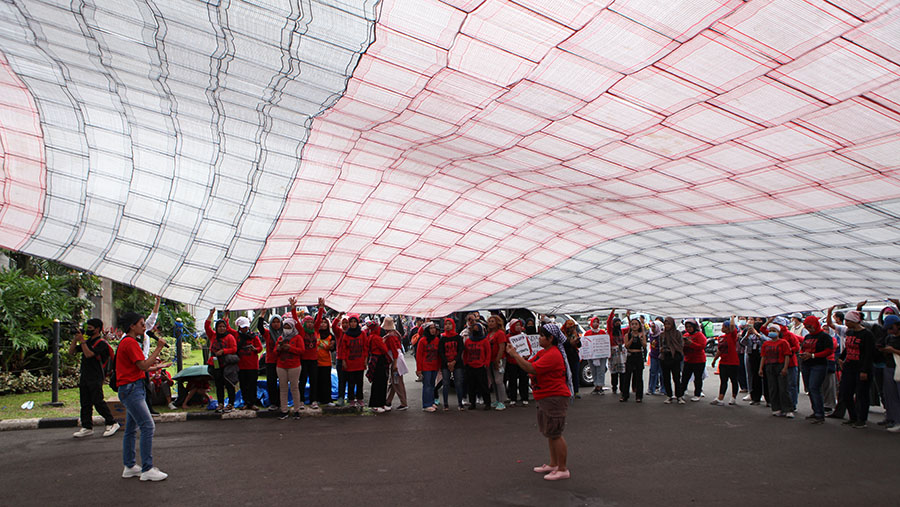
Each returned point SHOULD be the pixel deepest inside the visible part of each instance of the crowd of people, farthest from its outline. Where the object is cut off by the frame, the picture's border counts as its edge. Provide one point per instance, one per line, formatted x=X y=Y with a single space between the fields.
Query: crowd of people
x=844 y=364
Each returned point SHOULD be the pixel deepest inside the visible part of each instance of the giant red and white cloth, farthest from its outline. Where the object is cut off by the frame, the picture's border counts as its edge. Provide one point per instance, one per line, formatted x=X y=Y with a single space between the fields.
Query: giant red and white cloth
x=424 y=156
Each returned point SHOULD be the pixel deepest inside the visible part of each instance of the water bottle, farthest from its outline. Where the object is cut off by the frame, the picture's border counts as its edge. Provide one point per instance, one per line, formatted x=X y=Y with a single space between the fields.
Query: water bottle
x=216 y=362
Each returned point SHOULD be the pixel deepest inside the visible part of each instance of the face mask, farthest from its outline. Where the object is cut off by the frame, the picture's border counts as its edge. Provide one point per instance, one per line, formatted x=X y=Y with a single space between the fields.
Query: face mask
x=773 y=335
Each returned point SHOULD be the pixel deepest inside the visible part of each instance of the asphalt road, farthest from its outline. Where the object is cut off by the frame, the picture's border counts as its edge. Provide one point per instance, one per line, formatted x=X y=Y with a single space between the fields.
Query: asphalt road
x=619 y=454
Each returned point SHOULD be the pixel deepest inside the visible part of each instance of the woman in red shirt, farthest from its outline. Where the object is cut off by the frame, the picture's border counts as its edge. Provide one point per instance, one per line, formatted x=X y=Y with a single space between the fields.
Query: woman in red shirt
x=289 y=348
x=222 y=343
x=130 y=372
x=270 y=337
x=694 y=358
x=775 y=356
x=550 y=385
x=728 y=367
x=248 y=349
x=353 y=350
x=428 y=362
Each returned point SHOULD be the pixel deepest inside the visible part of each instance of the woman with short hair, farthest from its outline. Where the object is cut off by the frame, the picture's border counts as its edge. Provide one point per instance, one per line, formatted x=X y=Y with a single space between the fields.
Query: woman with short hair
x=671 y=353
x=551 y=381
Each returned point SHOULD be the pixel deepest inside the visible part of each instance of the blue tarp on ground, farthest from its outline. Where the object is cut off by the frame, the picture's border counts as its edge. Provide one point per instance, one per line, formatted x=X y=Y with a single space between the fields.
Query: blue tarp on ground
x=263 y=395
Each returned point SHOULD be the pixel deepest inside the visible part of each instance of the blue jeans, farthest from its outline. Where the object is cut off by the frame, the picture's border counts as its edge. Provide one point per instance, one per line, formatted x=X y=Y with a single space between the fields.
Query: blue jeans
x=457 y=383
x=655 y=374
x=137 y=414
x=793 y=378
x=816 y=376
x=428 y=378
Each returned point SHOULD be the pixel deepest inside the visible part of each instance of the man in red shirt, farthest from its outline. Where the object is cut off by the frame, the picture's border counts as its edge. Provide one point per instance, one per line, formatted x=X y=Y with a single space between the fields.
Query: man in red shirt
x=130 y=372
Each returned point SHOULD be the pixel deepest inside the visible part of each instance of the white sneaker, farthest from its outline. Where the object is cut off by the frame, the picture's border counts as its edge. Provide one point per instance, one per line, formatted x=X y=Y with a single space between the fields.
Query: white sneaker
x=695 y=398
x=733 y=401
x=703 y=395
x=83 y=432
x=681 y=401
x=894 y=429
x=315 y=405
x=134 y=471
x=111 y=430
x=789 y=415
x=747 y=398
x=154 y=474
x=387 y=408
x=512 y=404
x=525 y=403
x=379 y=410
x=669 y=401
x=717 y=402
x=172 y=406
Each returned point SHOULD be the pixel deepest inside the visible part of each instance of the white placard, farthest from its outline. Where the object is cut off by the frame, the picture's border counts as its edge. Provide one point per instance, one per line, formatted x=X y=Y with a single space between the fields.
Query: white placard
x=520 y=342
x=594 y=347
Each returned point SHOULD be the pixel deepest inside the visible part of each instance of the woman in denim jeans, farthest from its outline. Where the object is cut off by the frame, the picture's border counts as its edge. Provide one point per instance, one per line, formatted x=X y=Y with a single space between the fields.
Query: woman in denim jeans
x=130 y=371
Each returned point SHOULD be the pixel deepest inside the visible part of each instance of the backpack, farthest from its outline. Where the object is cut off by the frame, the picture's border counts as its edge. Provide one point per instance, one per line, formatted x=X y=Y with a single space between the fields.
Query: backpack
x=110 y=369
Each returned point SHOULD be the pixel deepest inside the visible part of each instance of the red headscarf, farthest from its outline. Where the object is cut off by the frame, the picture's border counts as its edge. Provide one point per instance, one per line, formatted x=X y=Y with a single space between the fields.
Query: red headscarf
x=452 y=331
x=813 y=322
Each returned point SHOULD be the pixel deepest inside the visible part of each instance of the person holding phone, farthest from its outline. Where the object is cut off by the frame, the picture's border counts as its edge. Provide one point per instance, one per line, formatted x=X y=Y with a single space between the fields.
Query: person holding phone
x=131 y=369
x=95 y=357
x=550 y=384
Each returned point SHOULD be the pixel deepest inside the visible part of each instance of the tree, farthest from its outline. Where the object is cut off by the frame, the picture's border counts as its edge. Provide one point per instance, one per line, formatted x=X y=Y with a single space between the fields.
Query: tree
x=131 y=299
x=32 y=294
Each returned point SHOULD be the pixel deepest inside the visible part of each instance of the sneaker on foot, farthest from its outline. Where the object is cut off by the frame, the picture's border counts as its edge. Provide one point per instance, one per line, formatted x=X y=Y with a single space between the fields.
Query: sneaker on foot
x=111 y=429
x=681 y=401
x=315 y=405
x=669 y=401
x=134 y=471
x=778 y=413
x=818 y=420
x=733 y=401
x=284 y=415
x=500 y=406
x=297 y=415
x=272 y=408
x=695 y=398
x=154 y=474
x=387 y=408
x=228 y=408
x=894 y=429
x=512 y=403
x=83 y=432
x=172 y=406
x=849 y=422
x=754 y=403
x=747 y=398
x=789 y=415
x=331 y=404
x=446 y=408
x=429 y=409
x=525 y=403
x=402 y=408
x=545 y=469
x=557 y=476
x=861 y=425
x=378 y=410
x=718 y=402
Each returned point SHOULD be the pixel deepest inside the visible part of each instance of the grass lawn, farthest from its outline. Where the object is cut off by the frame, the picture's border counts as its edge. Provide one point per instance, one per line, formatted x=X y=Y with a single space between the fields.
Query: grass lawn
x=10 y=404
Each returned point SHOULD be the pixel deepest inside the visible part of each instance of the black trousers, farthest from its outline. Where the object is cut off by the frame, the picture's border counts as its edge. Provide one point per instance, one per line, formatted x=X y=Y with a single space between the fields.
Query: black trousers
x=222 y=385
x=756 y=381
x=378 y=396
x=477 y=383
x=728 y=372
x=574 y=363
x=308 y=368
x=247 y=379
x=516 y=382
x=614 y=381
x=854 y=394
x=671 y=370
x=697 y=370
x=92 y=397
x=342 y=379
x=354 y=385
x=323 y=384
x=633 y=376
x=272 y=385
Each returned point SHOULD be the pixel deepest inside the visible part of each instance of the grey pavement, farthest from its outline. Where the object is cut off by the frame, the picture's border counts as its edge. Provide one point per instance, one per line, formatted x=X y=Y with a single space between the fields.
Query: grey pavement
x=619 y=454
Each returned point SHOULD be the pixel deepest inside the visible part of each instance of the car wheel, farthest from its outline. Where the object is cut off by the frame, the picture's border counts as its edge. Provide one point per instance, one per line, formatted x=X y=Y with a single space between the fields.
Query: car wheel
x=585 y=374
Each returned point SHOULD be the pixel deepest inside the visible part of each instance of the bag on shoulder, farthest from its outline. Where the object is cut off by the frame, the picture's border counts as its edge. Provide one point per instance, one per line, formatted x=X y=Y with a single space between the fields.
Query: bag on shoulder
x=111 y=371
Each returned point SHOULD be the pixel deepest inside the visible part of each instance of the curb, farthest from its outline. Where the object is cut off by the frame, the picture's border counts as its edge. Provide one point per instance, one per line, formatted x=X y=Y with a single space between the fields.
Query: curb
x=74 y=422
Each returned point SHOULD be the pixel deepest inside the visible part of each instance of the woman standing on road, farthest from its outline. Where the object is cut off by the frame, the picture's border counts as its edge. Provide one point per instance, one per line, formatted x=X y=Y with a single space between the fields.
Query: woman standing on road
x=222 y=343
x=550 y=380
x=694 y=358
x=353 y=350
x=428 y=361
x=571 y=347
x=618 y=356
x=635 y=343
x=131 y=368
x=288 y=349
x=817 y=346
x=671 y=353
x=776 y=355
x=728 y=367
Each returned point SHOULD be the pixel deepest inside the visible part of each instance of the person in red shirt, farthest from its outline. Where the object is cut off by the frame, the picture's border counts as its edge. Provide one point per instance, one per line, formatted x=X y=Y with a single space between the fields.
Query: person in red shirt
x=694 y=358
x=325 y=344
x=428 y=362
x=775 y=355
x=598 y=365
x=793 y=371
x=338 y=327
x=309 y=359
x=548 y=371
x=729 y=364
x=288 y=350
x=222 y=350
x=130 y=373
x=498 y=339
x=398 y=366
x=817 y=346
x=270 y=337
x=378 y=366
x=477 y=358
x=353 y=348
x=248 y=349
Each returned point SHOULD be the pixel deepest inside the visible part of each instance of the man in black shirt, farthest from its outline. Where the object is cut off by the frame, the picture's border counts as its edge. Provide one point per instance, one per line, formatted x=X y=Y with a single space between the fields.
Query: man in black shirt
x=95 y=357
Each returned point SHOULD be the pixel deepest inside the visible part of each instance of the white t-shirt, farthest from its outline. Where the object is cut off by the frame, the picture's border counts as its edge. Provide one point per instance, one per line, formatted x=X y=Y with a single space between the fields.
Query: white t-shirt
x=151 y=323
